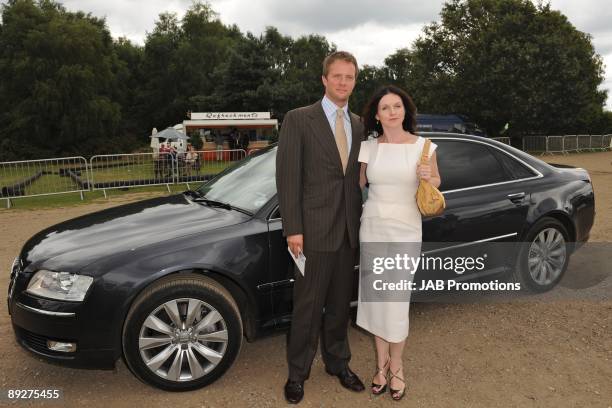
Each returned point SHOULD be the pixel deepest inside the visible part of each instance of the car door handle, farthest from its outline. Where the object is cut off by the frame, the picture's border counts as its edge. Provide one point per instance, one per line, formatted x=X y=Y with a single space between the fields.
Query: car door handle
x=516 y=197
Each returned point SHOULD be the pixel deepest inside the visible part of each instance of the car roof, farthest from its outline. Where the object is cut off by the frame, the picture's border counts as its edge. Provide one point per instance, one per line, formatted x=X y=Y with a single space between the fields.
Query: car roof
x=539 y=164
x=463 y=136
x=454 y=135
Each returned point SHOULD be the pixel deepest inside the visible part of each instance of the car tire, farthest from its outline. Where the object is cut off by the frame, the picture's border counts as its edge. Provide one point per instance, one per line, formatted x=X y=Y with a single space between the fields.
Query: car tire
x=182 y=333
x=543 y=256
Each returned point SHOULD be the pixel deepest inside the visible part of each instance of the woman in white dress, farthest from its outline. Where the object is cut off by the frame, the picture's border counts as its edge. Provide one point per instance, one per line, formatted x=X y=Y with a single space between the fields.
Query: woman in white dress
x=390 y=222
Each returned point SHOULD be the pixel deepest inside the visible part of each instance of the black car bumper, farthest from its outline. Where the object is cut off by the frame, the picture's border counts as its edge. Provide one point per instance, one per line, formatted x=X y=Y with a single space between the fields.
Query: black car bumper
x=33 y=330
x=37 y=321
x=90 y=359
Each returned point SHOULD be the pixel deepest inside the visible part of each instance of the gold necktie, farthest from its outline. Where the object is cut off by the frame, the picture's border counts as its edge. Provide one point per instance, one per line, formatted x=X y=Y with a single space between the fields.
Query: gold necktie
x=341 y=139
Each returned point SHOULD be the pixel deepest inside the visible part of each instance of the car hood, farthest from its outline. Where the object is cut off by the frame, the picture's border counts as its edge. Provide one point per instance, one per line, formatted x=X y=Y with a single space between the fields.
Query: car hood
x=73 y=244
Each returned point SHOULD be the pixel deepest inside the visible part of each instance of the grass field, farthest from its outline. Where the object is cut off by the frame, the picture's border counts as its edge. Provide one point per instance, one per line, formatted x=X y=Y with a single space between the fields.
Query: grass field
x=146 y=170
x=8 y=177
x=12 y=173
x=71 y=199
x=51 y=182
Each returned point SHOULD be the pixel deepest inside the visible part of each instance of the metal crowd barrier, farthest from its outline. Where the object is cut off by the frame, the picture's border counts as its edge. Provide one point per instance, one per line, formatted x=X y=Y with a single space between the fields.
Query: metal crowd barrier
x=584 y=143
x=109 y=171
x=28 y=178
x=606 y=142
x=566 y=144
x=149 y=169
x=203 y=164
x=596 y=142
x=554 y=144
x=570 y=143
x=535 y=144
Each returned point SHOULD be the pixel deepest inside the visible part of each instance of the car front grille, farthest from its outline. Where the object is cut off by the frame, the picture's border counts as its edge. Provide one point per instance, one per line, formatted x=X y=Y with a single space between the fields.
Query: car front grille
x=38 y=343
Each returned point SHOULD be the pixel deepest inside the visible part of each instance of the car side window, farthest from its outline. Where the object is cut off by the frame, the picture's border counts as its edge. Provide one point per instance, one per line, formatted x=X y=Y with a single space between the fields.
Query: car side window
x=465 y=164
x=512 y=166
x=275 y=214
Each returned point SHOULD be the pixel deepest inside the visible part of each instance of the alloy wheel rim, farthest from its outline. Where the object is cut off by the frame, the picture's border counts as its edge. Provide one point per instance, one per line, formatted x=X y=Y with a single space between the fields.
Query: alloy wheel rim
x=183 y=339
x=547 y=255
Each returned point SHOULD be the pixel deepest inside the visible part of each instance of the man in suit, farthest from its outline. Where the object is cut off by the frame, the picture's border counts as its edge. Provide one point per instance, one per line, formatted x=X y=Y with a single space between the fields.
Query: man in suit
x=317 y=176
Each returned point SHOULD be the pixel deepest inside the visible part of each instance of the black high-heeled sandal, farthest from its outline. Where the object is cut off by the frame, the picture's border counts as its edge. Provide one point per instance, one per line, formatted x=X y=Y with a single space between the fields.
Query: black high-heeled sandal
x=396 y=394
x=378 y=389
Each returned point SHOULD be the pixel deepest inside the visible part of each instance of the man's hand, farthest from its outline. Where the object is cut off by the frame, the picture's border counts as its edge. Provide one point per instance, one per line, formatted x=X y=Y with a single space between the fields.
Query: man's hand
x=295 y=243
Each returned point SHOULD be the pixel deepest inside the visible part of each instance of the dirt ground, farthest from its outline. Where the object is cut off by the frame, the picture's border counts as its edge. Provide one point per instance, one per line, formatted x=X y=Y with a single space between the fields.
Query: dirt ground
x=539 y=353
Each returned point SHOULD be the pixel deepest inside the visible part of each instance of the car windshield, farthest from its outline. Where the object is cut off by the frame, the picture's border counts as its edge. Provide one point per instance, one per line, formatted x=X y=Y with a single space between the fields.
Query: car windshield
x=247 y=185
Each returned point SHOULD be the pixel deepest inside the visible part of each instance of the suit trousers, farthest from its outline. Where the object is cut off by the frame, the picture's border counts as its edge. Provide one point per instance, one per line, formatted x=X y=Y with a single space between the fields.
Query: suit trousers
x=327 y=286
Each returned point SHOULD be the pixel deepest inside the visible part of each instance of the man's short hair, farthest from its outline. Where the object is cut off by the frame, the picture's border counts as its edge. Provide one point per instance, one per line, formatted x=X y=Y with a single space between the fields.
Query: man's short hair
x=339 y=55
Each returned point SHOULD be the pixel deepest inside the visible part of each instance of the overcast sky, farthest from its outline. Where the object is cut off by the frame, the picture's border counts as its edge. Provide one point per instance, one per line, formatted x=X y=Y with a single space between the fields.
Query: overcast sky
x=370 y=29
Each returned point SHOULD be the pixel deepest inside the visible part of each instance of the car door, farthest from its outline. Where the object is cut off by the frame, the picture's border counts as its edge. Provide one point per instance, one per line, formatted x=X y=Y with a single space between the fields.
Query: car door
x=485 y=203
x=281 y=272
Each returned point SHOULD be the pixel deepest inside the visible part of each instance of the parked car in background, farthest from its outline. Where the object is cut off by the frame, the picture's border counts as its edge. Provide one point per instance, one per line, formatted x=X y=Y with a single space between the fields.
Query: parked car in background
x=173 y=284
x=448 y=123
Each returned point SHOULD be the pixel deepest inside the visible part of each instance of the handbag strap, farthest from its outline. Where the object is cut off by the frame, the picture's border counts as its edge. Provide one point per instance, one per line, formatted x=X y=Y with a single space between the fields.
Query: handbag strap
x=425 y=153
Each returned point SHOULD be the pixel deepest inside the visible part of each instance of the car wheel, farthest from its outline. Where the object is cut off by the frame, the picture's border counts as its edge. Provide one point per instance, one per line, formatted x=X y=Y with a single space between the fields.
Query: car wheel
x=543 y=256
x=182 y=333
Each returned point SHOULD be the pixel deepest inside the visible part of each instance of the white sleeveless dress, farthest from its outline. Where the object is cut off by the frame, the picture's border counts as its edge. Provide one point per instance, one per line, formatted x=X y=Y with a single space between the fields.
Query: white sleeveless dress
x=390 y=215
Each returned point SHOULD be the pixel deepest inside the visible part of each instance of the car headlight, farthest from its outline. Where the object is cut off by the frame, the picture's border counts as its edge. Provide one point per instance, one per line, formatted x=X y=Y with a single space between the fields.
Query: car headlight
x=59 y=285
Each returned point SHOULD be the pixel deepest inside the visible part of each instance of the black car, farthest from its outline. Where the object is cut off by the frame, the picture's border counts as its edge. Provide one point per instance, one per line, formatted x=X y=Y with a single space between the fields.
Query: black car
x=448 y=123
x=173 y=284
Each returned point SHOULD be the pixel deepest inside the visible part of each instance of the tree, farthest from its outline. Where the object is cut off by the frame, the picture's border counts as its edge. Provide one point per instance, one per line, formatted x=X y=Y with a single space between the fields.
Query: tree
x=368 y=80
x=302 y=81
x=129 y=73
x=271 y=73
x=507 y=61
x=241 y=82
x=180 y=58
x=57 y=84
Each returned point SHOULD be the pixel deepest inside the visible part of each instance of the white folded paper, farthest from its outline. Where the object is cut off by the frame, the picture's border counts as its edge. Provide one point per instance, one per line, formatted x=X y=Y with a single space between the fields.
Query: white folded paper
x=300 y=261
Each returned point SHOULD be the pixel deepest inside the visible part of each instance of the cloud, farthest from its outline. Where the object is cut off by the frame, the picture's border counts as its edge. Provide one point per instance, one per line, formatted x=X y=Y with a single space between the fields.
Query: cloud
x=591 y=16
x=129 y=18
x=603 y=43
x=320 y=16
x=371 y=42
x=370 y=29
x=607 y=83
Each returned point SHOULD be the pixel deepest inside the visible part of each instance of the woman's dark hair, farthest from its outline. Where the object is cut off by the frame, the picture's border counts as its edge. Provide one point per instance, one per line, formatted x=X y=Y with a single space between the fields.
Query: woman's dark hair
x=369 y=114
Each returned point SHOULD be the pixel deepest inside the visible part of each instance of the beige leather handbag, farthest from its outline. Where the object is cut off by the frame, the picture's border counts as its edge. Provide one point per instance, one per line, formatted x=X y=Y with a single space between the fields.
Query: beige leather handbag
x=429 y=199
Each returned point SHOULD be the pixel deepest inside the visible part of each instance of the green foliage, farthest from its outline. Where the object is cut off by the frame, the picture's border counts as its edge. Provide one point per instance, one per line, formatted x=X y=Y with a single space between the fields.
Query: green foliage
x=179 y=60
x=68 y=88
x=368 y=80
x=505 y=61
x=58 y=90
x=268 y=73
x=130 y=75
x=301 y=82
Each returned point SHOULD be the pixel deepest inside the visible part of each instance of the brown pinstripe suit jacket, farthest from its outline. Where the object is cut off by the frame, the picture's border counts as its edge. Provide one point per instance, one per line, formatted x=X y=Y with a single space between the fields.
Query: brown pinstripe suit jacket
x=315 y=197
